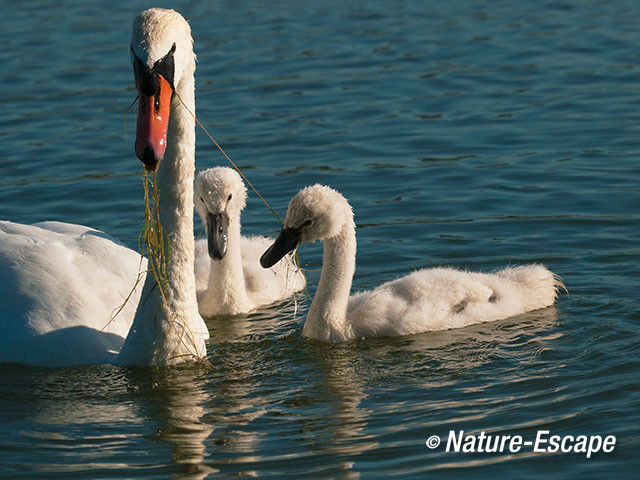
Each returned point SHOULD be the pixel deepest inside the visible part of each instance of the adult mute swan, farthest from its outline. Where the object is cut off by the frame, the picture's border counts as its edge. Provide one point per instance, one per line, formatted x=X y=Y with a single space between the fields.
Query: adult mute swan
x=428 y=299
x=167 y=327
x=229 y=279
x=62 y=283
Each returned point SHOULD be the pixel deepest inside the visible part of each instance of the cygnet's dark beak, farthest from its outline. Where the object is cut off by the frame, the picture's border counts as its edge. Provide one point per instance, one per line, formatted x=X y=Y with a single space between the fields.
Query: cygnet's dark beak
x=217 y=228
x=286 y=242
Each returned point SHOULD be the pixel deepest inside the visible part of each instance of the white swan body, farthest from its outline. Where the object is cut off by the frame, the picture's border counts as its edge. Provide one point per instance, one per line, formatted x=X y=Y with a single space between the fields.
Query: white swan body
x=61 y=286
x=62 y=283
x=229 y=279
x=167 y=327
x=425 y=300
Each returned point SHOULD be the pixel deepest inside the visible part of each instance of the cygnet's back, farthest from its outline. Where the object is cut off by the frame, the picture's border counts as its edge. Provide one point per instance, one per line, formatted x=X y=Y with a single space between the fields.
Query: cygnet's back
x=443 y=298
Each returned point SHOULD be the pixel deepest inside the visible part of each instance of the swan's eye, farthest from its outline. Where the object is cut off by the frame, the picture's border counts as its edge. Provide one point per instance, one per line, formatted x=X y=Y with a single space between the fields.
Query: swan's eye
x=307 y=223
x=173 y=48
x=230 y=195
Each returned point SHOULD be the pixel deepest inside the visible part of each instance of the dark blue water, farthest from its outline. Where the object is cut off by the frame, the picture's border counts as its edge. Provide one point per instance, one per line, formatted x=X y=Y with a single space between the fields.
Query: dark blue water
x=467 y=133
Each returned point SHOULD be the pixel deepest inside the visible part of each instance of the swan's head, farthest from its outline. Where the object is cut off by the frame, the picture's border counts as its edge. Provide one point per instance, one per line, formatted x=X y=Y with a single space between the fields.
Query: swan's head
x=315 y=213
x=161 y=52
x=219 y=196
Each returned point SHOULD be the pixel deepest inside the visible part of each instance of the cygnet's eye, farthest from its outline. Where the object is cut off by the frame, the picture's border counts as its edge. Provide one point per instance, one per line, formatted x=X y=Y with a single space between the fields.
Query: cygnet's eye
x=201 y=199
x=306 y=223
x=230 y=195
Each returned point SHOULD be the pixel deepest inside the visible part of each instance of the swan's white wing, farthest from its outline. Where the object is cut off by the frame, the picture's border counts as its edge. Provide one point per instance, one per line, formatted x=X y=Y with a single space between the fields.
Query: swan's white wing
x=61 y=285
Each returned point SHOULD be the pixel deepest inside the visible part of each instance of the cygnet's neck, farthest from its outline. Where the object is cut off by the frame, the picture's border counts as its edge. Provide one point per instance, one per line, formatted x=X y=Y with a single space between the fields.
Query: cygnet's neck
x=172 y=331
x=327 y=317
x=226 y=289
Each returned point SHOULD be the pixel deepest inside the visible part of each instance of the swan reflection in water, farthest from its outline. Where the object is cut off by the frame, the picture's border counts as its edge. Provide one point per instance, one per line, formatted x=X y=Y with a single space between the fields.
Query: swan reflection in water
x=274 y=397
x=177 y=398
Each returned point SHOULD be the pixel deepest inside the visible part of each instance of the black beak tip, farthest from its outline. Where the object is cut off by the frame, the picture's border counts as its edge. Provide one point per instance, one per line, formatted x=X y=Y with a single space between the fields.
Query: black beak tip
x=217 y=225
x=217 y=255
x=148 y=158
x=286 y=242
x=265 y=261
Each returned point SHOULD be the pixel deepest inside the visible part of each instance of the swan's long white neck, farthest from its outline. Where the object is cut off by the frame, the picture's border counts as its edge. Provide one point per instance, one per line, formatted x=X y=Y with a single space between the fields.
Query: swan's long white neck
x=172 y=331
x=327 y=317
x=226 y=280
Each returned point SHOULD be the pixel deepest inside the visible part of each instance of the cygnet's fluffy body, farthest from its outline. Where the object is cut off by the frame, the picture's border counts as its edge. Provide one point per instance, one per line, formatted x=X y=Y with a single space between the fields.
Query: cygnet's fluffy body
x=425 y=300
x=229 y=279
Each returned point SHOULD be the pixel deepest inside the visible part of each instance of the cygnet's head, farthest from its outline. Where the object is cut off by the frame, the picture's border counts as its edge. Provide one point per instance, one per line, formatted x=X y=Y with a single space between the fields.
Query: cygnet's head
x=315 y=213
x=162 y=54
x=219 y=197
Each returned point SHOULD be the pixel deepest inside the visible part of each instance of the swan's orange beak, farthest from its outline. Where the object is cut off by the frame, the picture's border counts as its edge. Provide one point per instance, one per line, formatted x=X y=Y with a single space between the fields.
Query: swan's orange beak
x=152 y=124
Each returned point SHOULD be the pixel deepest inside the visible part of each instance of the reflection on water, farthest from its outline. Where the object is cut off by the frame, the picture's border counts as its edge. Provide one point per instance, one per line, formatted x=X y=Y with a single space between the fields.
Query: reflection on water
x=177 y=404
x=269 y=322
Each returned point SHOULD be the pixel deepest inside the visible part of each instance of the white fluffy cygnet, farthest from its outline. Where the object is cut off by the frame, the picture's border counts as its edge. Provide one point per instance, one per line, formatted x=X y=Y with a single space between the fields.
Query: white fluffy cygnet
x=229 y=279
x=425 y=300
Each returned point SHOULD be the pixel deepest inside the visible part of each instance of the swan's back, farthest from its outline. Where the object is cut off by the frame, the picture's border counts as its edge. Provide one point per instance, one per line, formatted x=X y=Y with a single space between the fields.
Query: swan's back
x=444 y=298
x=266 y=286
x=59 y=282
